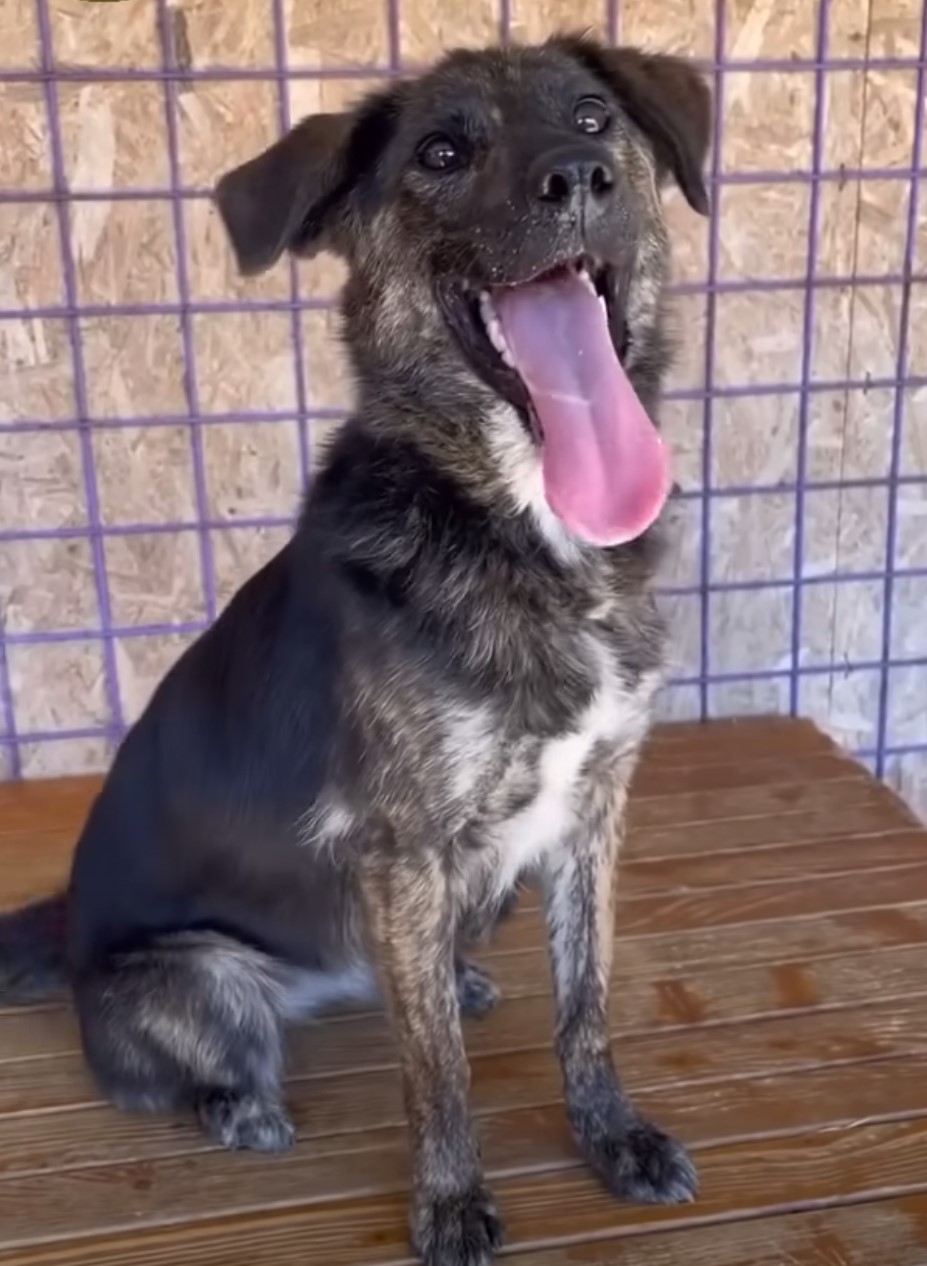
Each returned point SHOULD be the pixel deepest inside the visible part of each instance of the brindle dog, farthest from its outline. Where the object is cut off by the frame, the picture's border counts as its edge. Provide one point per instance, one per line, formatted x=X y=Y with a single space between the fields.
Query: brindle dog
x=442 y=682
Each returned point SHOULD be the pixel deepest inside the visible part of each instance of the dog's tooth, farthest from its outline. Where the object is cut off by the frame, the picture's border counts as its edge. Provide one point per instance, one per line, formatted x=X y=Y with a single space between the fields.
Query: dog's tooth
x=587 y=281
x=601 y=299
x=493 y=327
x=497 y=338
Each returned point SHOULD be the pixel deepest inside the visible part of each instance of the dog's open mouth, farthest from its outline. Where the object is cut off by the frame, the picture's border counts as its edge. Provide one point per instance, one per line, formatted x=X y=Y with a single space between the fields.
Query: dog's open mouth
x=553 y=346
x=599 y=279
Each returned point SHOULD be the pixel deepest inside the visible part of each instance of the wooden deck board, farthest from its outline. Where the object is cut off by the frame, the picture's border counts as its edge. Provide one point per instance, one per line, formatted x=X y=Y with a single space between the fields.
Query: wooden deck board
x=769 y=1006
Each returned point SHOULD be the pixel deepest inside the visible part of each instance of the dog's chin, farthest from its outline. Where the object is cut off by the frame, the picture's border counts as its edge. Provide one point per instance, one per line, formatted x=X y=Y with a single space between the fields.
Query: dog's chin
x=468 y=310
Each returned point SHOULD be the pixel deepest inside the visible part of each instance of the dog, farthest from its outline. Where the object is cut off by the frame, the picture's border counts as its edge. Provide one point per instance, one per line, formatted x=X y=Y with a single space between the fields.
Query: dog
x=442 y=682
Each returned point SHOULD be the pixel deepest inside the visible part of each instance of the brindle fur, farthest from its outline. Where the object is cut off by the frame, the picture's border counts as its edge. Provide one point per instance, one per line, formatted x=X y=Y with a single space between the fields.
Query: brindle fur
x=335 y=785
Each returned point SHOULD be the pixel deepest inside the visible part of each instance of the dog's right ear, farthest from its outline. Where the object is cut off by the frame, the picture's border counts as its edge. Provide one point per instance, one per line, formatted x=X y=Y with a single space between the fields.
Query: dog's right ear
x=291 y=197
x=667 y=98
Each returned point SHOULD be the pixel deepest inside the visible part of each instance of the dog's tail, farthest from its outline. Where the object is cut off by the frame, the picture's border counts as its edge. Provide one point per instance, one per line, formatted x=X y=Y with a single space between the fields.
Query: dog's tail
x=32 y=951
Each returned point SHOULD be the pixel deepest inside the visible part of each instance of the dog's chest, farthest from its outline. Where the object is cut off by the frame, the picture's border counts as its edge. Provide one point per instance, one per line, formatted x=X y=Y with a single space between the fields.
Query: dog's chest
x=522 y=838
x=529 y=795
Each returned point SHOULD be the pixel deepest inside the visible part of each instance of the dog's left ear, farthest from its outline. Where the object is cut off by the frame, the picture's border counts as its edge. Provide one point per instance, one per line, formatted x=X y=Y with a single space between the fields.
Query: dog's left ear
x=668 y=100
x=291 y=196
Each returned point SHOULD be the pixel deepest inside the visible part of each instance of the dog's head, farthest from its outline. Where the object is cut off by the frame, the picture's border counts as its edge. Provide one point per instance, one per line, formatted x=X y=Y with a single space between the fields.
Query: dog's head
x=502 y=223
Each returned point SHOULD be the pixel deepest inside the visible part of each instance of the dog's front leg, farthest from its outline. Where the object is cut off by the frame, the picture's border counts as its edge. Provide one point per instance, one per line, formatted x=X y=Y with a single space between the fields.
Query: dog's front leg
x=636 y=1160
x=454 y=1221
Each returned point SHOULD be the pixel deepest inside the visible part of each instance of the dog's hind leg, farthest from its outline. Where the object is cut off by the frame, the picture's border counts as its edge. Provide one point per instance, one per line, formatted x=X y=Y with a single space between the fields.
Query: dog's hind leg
x=192 y=1020
x=477 y=992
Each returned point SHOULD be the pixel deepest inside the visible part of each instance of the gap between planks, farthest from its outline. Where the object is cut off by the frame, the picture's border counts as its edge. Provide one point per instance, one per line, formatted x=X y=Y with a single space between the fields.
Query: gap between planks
x=542 y=1208
x=522 y=955
x=774 y=1100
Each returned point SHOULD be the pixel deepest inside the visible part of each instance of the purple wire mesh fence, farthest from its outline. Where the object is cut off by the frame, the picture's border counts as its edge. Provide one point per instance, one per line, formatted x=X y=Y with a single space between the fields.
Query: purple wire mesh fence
x=51 y=78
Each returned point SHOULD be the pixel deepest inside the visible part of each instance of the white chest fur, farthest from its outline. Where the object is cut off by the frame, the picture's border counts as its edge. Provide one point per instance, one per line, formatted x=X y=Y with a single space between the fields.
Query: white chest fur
x=613 y=715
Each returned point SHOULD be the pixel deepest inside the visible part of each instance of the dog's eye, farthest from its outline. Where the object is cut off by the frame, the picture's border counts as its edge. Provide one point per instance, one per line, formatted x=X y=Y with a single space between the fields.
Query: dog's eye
x=439 y=153
x=591 y=115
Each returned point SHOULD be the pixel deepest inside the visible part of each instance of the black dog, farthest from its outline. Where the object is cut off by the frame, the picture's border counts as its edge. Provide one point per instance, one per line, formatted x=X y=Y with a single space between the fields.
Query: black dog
x=442 y=682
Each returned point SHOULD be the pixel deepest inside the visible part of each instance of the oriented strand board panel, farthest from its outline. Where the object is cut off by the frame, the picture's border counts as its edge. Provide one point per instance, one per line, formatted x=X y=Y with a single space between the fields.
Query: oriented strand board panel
x=146 y=467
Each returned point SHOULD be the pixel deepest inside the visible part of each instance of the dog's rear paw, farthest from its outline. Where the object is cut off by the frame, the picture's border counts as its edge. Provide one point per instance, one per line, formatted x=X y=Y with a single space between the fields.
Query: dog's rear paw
x=477 y=993
x=643 y=1165
x=242 y=1121
x=460 y=1230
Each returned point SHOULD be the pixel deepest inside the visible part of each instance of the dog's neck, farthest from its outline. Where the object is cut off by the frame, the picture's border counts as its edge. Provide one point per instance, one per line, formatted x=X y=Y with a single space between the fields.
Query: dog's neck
x=411 y=540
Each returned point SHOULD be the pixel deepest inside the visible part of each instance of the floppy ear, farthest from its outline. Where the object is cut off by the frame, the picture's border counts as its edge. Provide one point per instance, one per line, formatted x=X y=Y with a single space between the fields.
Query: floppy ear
x=668 y=100
x=289 y=197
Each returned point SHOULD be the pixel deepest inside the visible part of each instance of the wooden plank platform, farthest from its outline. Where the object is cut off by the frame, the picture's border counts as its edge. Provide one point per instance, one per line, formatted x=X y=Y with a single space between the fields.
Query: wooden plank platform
x=770 y=1007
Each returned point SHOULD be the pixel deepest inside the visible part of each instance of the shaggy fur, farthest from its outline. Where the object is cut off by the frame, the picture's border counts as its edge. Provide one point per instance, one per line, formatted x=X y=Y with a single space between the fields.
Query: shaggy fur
x=432 y=690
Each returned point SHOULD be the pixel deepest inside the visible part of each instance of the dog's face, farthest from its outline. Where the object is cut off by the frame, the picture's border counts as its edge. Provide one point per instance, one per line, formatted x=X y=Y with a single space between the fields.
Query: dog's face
x=501 y=217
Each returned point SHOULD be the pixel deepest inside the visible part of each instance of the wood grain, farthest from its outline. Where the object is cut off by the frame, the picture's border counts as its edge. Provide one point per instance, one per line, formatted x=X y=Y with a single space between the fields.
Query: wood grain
x=541 y=1208
x=649 y=1059
x=708 y=1111
x=769 y=1005
x=847 y=809
x=882 y=1231
x=660 y=780
x=640 y=1004
x=676 y=911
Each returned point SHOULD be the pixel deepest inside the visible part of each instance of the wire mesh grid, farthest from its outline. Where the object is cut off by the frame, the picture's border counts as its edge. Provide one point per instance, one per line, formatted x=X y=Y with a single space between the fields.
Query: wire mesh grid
x=723 y=668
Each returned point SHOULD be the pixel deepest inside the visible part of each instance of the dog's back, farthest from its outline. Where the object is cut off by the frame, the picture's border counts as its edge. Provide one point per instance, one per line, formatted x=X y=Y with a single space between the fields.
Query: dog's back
x=198 y=824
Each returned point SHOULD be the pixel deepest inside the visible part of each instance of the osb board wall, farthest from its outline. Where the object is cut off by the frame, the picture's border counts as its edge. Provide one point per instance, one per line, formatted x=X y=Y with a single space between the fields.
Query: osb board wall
x=158 y=415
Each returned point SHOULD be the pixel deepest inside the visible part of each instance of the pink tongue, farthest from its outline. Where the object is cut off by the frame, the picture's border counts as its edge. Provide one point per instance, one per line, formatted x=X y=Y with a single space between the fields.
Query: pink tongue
x=606 y=471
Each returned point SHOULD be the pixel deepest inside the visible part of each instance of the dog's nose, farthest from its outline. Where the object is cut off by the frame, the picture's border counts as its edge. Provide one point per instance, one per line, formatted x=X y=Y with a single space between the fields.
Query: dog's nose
x=566 y=180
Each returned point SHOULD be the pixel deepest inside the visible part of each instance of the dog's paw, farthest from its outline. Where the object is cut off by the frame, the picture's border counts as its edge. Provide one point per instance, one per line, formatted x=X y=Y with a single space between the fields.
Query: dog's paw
x=641 y=1164
x=245 y=1122
x=476 y=991
x=457 y=1230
